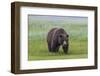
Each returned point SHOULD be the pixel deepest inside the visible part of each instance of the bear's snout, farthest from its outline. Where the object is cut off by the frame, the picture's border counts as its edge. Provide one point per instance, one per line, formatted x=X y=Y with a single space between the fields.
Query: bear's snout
x=64 y=43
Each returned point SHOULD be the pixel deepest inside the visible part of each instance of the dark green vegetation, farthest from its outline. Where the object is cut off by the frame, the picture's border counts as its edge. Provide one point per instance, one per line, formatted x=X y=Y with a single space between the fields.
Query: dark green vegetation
x=37 y=33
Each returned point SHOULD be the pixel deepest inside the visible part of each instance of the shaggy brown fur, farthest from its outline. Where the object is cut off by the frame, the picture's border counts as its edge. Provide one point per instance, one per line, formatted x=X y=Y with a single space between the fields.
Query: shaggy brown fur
x=57 y=37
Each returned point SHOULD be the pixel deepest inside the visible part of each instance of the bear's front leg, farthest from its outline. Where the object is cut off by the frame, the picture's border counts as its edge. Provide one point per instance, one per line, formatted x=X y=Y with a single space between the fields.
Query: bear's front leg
x=55 y=49
x=65 y=48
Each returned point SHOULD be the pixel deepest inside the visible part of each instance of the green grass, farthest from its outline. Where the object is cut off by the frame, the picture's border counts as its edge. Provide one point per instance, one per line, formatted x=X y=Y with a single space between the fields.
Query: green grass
x=37 y=44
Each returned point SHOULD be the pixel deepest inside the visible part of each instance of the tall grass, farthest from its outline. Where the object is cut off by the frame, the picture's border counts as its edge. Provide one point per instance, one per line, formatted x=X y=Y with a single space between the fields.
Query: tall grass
x=37 y=42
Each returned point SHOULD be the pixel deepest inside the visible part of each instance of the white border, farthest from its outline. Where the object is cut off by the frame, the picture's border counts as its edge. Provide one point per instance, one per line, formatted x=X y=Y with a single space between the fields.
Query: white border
x=25 y=64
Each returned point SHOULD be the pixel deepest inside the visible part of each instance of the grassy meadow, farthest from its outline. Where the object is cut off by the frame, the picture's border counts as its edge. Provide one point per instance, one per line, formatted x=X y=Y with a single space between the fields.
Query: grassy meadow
x=39 y=26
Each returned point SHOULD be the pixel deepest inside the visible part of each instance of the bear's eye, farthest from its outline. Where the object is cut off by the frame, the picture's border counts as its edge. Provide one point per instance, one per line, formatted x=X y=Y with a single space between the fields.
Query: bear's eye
x=60 y=35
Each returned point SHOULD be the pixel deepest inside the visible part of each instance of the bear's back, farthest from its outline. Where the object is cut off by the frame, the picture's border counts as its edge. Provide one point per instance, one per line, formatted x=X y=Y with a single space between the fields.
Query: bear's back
x=50 y=34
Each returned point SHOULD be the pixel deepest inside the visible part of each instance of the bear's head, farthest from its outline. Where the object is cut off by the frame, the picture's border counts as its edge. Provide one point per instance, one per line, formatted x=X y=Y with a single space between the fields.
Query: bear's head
x=63 y=39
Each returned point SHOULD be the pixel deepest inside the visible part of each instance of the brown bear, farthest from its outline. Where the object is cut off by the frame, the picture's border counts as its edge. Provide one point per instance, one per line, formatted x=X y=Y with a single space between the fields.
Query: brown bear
x=57 y=37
